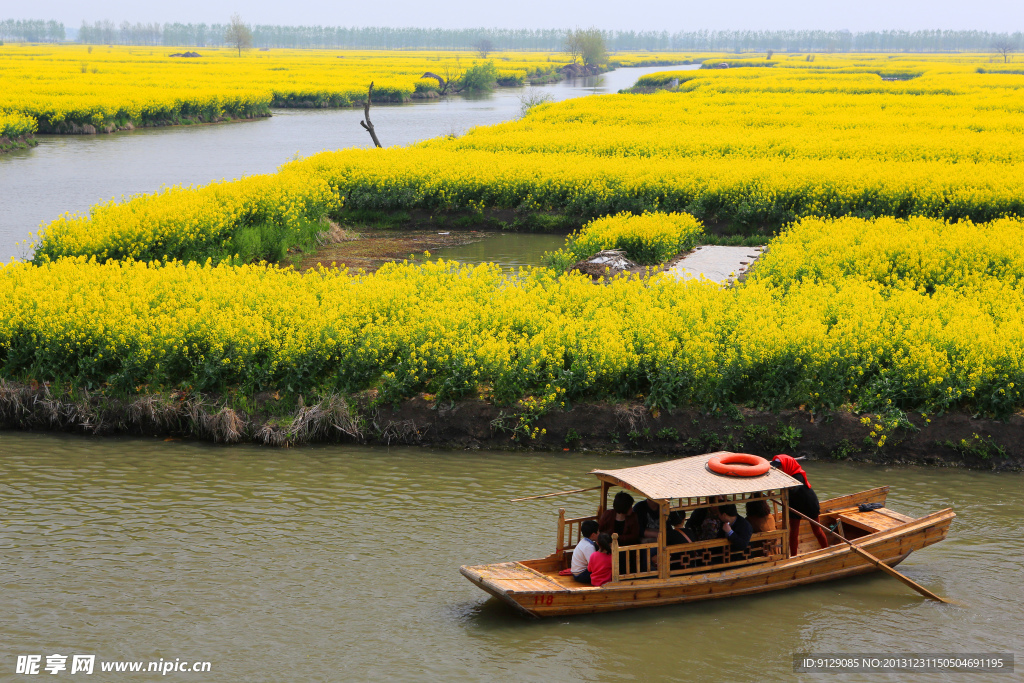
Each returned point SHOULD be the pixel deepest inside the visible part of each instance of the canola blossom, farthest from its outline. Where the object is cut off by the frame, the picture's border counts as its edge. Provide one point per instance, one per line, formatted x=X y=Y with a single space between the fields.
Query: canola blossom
x=188 y=223
x=914 y=254
x=16 y=125
x=648 y=239
x=755 y=147
x=856 y=332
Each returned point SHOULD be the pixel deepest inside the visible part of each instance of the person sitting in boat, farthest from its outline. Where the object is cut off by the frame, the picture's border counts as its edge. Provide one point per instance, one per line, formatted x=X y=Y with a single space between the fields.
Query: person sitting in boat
x=600 y=565
x=648 y=514
x=802 y=499
x=584 y=549
x=760 y=516
x=734 y=527
x=704 y=524
x=621 y=520
x=676 y=532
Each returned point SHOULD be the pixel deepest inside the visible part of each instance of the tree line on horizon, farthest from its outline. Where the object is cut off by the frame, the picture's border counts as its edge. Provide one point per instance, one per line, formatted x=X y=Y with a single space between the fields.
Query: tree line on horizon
x=550 y=40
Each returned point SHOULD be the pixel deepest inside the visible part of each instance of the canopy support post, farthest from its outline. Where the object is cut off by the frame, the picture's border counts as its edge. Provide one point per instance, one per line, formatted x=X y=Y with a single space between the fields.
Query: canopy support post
x=663 y=563
x=603 y=505
x=559 y=547
x=615 y=558
x=785 y=523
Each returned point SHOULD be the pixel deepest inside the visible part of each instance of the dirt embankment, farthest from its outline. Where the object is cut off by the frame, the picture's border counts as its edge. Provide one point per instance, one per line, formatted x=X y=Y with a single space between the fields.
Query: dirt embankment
x=952 y=440
x=86 y=128
x=21 y=142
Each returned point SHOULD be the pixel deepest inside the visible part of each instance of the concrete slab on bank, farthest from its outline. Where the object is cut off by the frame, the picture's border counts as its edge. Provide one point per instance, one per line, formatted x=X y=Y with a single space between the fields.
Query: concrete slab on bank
x=718 y=264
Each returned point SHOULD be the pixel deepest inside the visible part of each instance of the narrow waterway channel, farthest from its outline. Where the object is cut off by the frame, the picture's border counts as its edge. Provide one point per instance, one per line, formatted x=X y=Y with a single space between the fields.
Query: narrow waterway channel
x=71 y=173
x=323 y=563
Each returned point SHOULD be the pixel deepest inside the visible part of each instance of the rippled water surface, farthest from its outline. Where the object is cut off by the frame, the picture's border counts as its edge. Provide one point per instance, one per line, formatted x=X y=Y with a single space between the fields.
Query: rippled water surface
x=341 y=563
x=74 y=172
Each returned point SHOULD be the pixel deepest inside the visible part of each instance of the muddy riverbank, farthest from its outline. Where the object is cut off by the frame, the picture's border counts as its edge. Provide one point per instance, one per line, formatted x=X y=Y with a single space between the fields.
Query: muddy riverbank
x=88 y=127
x=950 y=440
x=21 y=142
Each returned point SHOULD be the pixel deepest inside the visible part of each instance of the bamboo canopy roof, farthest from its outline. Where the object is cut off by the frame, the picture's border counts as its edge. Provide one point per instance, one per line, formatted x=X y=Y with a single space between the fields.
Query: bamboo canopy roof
x=690 y=478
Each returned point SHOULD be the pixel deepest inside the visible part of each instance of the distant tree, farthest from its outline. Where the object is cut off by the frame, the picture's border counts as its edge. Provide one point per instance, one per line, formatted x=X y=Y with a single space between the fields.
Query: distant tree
x=484 y=47
x=593 y=50
x=1005 y=48
x=238 y=34
x=768 y=55
x=571 y=44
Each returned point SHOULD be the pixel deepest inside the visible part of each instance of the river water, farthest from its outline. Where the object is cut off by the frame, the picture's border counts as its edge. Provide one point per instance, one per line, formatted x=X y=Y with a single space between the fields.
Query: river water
x=341 y=563
x=73 y=172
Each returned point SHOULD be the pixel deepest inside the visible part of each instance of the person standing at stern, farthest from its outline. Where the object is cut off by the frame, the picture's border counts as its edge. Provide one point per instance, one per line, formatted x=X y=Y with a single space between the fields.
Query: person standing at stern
x=803 y=499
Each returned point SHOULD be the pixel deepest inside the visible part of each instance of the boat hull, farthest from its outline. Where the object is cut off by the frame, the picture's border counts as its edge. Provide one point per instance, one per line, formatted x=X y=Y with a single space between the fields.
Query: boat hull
x=533 y=587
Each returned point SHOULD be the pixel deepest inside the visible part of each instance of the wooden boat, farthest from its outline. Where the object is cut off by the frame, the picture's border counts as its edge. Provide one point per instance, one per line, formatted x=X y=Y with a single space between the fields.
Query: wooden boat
x=709 y=569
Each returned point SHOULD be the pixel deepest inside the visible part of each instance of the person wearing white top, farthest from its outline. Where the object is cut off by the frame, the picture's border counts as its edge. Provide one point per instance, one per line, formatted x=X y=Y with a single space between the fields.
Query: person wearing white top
x=584 y=549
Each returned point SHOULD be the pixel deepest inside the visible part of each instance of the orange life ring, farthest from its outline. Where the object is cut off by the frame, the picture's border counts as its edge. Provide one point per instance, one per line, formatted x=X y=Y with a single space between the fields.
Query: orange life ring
x=739 y=465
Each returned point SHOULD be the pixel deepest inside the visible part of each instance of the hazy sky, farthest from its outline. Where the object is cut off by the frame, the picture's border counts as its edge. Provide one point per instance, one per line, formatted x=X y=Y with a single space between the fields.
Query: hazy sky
x=671 y=15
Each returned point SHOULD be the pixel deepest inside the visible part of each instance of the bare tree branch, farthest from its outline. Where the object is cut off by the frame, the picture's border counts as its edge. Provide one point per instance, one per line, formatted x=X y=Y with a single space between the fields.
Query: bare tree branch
x=484 y=47
x=451 y=81
x=366 y=123
x=1005 y=48
x=441 y=83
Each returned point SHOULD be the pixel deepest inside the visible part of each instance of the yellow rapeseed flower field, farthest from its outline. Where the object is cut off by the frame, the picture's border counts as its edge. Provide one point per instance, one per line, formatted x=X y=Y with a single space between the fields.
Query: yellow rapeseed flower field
x=893 y=284
x=110 y=86
x=756 y=147
x=878 y=314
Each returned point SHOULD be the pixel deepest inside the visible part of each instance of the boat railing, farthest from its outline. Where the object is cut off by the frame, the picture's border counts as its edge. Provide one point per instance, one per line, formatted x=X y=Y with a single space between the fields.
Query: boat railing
x=635 y=561
x=717 y=554
x=569 y=533
x=638 y=561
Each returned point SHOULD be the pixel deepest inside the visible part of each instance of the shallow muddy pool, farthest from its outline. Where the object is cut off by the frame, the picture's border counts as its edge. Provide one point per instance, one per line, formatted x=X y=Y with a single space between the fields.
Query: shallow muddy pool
x=341 y=562
x=74 y=172
x=509 y=250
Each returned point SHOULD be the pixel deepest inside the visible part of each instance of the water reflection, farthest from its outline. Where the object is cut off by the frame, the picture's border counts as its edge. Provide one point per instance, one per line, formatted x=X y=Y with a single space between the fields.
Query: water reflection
x=325 y=560
x=71 y=173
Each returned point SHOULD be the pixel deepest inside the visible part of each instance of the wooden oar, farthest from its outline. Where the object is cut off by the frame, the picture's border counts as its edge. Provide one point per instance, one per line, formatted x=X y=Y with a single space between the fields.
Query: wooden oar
x=877 y=562
x=556 y=493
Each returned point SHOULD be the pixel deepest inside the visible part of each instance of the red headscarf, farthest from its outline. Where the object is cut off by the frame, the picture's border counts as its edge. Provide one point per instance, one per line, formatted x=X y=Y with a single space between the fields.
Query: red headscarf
x=790 y=466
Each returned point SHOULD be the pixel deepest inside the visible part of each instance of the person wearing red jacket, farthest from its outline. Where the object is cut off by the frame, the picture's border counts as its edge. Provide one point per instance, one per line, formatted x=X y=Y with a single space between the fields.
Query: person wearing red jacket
x=803 y=499
x=600 y=564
